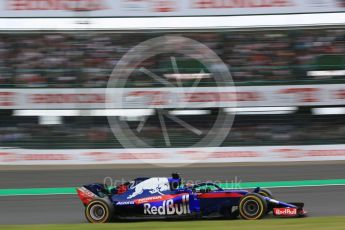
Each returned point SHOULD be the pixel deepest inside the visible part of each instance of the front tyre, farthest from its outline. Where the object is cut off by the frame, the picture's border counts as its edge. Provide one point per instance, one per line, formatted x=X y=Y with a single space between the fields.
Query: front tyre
x=266 y=192
x=99 y=211
x=252 y=207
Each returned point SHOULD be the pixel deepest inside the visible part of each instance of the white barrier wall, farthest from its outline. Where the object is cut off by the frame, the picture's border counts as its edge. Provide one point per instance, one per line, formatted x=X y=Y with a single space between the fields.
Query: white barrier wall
x=162 y=8
x=203 y=97
x=173 y=155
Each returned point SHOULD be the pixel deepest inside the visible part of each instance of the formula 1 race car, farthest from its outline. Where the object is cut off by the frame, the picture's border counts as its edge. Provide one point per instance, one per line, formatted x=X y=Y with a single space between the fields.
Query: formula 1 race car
x=158 y=197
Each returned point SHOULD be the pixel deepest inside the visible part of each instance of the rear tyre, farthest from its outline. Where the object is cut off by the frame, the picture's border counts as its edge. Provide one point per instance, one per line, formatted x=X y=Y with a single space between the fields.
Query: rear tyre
x=99 y=211
x=252 y=207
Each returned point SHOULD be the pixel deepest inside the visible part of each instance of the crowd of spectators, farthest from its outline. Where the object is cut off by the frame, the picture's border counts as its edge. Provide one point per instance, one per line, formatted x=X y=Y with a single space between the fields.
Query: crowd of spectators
x=86 y=59
x=246 y=131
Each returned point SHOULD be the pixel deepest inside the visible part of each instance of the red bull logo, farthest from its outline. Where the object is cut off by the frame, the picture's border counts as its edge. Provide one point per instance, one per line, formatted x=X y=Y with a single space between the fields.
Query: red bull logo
x=168 y=207
x=285 y=211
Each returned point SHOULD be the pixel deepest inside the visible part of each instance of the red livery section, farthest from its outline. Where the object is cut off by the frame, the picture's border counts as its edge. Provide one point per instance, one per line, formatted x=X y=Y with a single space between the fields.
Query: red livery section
x=219 y=195
x=157 y=198
x=85 y=195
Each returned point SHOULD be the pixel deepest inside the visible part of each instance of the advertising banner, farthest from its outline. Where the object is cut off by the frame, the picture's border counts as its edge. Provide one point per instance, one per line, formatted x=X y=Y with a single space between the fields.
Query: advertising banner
x=172 y=155
x=201 y=97
x=162 y=8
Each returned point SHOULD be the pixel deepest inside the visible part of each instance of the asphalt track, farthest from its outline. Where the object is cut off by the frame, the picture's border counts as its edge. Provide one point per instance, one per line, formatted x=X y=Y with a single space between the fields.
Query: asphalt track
x=320 y=201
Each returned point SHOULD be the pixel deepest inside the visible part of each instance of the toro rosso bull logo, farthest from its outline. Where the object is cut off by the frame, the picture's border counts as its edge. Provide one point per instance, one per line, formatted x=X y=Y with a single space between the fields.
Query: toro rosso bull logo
x=153 y=185
x=168 y=207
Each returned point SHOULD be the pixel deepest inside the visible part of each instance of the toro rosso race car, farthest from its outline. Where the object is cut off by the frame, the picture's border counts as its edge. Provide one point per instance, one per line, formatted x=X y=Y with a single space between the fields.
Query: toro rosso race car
x=158 y=197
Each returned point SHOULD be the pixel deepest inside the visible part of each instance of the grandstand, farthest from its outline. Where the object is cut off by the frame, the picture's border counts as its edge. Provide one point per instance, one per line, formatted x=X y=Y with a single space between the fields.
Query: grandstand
x=86 y=59
x=290 y=56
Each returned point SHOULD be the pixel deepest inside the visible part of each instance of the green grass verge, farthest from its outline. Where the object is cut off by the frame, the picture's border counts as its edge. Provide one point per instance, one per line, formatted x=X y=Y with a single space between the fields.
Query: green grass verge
x=327 y=223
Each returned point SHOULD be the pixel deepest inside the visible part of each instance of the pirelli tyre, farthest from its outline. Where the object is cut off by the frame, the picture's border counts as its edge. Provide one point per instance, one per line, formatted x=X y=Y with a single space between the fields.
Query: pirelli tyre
x=252 y=206
x=99 y=211
x=267 y=193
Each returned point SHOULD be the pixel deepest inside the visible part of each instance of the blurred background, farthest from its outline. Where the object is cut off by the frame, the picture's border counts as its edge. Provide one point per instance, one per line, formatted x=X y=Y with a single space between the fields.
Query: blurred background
x=291 y=56
x=42 y=67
